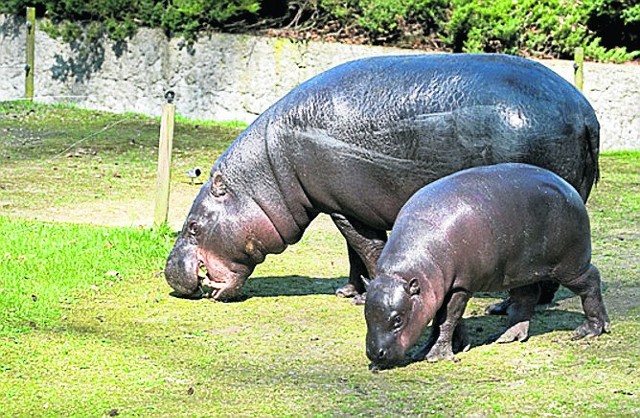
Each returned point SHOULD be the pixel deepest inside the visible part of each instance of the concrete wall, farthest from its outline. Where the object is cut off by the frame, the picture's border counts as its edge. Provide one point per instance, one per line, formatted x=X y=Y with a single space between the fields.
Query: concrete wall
x=236 y=77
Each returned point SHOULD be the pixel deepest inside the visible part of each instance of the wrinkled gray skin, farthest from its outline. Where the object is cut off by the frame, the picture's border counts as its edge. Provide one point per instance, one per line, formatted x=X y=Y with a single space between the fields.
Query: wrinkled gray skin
x=484 y=229
x=358 y=140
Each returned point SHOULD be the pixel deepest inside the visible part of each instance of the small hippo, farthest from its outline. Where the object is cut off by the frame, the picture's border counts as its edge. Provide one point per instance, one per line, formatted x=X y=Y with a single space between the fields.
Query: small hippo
x=484 y=229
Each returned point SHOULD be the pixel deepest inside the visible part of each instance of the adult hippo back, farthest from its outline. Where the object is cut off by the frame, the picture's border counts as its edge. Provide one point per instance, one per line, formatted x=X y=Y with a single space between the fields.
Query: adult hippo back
x=358 y=140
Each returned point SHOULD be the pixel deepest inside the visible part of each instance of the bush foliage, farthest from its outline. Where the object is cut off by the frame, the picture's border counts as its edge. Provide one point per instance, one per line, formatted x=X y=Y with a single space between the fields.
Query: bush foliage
x=539 y=28
x=609 y=30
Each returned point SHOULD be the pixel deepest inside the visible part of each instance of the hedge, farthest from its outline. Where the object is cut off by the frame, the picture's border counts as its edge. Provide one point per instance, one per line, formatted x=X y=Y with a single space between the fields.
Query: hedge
x=609 y=30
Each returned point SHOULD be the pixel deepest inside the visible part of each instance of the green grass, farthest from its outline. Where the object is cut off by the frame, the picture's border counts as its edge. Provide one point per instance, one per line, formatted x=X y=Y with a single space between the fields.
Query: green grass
x=614 y=208
x=292 y=348
x=94 y=343
x=42 y=264
x=107 y=157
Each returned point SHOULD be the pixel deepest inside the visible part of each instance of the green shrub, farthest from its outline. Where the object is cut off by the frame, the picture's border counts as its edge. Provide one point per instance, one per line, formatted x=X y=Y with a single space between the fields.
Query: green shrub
x=609 y=30
x=187 y=17
x=121 y=18
x=385 y=19
x=616 y=22
x=477 y=26
x=534 y=27
x=542 y=28
x=383 y=16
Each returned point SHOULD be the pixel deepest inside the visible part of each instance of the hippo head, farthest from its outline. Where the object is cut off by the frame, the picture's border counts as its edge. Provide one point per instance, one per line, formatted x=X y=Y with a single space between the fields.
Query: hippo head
x=391 y=311
x=223 y=238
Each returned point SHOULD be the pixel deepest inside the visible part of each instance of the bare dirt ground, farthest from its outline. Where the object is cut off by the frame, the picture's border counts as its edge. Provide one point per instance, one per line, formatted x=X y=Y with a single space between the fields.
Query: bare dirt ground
x=136 y=211
x=133 y=212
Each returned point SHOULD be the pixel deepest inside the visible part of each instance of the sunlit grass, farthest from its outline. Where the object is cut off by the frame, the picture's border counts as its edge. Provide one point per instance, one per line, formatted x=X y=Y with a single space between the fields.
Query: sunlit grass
x=43 y=264
x=88 y=326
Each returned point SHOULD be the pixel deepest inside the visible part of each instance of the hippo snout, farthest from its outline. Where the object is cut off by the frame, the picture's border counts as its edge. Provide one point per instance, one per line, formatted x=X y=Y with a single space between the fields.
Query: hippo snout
x=384 y=355
x=382 y=359
x=178 y=279
x=181 y=271
x=377 y=355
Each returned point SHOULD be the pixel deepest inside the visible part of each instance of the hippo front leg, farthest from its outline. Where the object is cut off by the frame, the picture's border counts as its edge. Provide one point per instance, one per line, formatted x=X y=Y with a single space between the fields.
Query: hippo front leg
x=364 y=245
x=448 y=335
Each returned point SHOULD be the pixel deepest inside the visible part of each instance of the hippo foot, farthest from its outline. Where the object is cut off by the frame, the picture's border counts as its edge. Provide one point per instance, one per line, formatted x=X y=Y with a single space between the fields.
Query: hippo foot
x=517 y=332
x=347 y=291
x=441 y=352
x=499 y=308
x=435 y=352
x=359 y=299
x=591 y=329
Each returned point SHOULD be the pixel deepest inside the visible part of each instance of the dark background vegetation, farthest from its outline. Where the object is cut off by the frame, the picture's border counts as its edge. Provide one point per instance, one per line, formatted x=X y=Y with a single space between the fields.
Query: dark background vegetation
x=609 y=30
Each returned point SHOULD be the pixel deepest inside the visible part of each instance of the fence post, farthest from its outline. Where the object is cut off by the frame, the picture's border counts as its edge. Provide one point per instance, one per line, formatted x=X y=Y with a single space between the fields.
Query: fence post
x=167 y=123
x=31 y=48
x=578 y=67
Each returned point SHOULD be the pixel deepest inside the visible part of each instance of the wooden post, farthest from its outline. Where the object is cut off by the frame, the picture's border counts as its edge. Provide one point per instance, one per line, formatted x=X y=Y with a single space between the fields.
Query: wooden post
x=167 y=123
x=578 y=66
x=31 y=48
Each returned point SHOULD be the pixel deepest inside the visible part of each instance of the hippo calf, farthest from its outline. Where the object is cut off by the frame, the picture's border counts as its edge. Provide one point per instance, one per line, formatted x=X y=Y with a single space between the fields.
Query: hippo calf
x=493 y=228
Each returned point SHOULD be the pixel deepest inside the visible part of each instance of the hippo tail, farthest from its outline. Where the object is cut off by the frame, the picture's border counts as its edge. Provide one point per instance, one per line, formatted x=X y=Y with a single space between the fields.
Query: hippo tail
x=591 y=173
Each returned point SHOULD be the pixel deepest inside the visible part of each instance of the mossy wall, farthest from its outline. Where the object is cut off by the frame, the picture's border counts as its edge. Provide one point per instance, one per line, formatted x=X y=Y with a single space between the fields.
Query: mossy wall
x=236 y=77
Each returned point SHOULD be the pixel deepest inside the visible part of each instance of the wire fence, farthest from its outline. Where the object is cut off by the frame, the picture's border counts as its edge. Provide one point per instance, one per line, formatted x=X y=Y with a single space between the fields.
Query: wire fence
x=91 y=135
x=73 y=145
x=13 y=66
x=56 y=97
x=42 y=98
x=164 y=161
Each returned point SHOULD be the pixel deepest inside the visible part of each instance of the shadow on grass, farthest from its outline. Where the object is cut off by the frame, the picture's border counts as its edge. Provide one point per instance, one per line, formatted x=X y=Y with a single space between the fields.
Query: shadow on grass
x=292 y=286
x=264 y=287
x=303 y=286
x=482 y=329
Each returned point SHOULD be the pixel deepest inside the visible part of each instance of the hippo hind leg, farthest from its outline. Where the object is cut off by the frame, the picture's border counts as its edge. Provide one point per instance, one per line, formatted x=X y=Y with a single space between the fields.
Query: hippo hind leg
x=520 y=311
x=355 y=288
x=364 y=246
x=548 y=289
x=587 y=286
x=448 y=335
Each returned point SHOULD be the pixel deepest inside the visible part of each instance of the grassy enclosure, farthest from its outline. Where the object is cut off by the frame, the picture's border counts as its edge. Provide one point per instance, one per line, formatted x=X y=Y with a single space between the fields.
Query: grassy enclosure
x=88 y=326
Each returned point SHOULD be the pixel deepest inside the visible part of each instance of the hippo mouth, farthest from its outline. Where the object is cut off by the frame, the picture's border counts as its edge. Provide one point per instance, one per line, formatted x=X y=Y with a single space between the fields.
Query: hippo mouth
x=208 y=285
x=217 y=280
x=196 y=273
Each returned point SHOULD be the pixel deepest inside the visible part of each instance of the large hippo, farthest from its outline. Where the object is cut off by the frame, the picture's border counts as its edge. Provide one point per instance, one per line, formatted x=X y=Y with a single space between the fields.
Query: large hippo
x=493 y=228
x=358 y=140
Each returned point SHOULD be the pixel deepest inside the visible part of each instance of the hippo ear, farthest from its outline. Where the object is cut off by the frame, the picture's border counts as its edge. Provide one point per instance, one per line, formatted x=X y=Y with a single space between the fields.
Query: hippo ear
x=218 y=188
x=413 y=287
x=366 y=282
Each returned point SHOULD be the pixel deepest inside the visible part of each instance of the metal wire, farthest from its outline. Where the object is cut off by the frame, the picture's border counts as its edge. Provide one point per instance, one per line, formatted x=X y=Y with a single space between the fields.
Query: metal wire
x=50 y=97
x=106 y=128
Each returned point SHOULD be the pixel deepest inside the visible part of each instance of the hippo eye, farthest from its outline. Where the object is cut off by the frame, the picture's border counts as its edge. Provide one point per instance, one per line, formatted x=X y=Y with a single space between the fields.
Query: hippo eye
x=193 y=227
